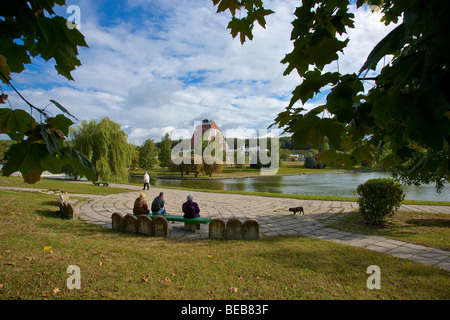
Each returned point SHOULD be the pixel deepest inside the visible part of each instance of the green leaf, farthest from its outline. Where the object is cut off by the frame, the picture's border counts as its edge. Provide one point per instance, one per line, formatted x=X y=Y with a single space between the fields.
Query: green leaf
x=312 y=129
x=61 y=45
x=79 y=163
x=224 y=5
x=15 y=123
x=342 y=99
x=312 y=84
x=16 y=55
x=393 y=42
x=60 y=107
x=50 y=140
x=31 y=159
x=60 y=122
x=242 y=27
x=5 y=71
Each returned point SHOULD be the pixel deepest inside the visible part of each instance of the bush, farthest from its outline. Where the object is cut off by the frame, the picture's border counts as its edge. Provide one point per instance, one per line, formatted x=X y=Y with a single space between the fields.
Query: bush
x=379 y=198
x=153 y=178
x=310 y=162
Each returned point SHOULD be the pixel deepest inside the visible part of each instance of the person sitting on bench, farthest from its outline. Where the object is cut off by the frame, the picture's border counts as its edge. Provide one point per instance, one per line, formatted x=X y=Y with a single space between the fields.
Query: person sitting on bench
x=190 y=208
x=140 y=205
x=158 y=204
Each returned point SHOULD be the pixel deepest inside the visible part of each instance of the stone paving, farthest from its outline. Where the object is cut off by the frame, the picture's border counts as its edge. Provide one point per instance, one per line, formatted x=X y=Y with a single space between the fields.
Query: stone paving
x=272 y=215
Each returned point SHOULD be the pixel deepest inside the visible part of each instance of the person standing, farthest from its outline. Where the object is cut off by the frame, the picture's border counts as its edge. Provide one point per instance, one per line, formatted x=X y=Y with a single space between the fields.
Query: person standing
x=146 y=181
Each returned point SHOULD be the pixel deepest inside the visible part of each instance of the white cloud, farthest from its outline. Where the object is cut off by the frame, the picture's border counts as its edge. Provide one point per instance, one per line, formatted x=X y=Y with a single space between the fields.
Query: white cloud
x=160 y=65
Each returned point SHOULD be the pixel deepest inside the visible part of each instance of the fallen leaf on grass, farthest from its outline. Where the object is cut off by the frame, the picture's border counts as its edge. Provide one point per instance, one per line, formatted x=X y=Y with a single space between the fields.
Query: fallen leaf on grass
x=233 y=289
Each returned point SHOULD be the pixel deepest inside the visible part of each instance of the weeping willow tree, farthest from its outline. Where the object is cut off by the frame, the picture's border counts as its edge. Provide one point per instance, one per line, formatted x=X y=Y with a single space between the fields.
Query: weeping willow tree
x=105 y=144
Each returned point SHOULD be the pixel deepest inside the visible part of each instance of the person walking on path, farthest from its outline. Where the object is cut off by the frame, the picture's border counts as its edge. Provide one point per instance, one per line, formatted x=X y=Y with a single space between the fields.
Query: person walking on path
x=190 y=208
x=158 y=204
x=146 y=181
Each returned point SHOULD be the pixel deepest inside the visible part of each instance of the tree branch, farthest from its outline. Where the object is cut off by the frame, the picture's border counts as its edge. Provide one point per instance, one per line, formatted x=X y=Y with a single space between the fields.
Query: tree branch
x=26 y=101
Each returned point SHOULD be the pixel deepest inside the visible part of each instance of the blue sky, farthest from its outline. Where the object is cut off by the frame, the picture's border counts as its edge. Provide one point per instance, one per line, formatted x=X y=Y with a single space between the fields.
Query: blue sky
x=157 y=66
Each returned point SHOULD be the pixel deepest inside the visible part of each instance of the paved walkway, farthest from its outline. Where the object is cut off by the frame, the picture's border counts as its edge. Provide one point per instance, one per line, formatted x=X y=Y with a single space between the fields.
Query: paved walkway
x=272 y=215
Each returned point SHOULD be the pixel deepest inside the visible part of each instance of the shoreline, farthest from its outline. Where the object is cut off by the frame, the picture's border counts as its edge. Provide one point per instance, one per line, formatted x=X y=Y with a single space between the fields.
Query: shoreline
x=258 y=176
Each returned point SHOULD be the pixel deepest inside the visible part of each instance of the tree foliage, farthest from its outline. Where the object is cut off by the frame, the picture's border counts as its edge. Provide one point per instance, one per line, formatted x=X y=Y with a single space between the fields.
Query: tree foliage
x=43 y=149
x=104 y=144
x=165 y=151
x=32 y=29
x=407 y=110
x=147 y=155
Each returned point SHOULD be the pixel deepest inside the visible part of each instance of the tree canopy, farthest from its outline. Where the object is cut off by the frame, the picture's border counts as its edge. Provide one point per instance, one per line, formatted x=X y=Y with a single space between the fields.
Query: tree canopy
x=104 y=144
x=165 y=151
x=32 y=29
x=147 y=155
x=407 y=111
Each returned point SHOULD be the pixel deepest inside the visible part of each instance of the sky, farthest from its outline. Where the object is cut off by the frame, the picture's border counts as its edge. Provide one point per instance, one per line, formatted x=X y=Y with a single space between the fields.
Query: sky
x=160 y=66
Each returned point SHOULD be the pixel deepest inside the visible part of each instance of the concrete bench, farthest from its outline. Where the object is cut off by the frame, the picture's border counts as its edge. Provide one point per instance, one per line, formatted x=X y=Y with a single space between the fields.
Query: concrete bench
x=151 y=225
x=66 y=208
x=190 y=224
x=158 y=226
x=233 y=229
x=101 y=183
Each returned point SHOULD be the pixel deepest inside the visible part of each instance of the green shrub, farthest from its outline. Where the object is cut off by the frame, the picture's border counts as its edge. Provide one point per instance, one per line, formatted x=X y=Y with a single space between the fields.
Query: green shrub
x=379 y=198
x=153 y=178
x=310 y=162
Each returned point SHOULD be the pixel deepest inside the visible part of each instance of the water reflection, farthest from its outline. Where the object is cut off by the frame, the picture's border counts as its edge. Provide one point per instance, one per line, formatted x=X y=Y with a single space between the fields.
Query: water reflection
x=332 y=184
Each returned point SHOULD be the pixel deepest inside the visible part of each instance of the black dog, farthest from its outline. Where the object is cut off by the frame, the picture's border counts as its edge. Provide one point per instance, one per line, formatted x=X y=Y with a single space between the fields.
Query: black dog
x=297 y=209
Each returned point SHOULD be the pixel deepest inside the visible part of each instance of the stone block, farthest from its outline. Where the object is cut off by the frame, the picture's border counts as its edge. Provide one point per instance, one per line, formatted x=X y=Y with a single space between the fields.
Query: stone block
x=70 y=211
x=250 y=230
x=160 y=227
x=62 y=209
x=217 y=229
x=191 y=227
x=130 y=223
x=234 y=229
x=145 y=225
x=117 y=222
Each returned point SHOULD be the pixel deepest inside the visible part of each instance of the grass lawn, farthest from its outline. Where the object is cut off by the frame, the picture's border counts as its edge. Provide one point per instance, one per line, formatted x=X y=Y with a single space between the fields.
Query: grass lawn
x=36 y=248
x=60 y=185
x=287 y=167
x=427 y=229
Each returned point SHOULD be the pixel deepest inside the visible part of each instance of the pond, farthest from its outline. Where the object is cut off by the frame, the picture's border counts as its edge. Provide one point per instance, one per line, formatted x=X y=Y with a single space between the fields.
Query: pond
x=332 y=184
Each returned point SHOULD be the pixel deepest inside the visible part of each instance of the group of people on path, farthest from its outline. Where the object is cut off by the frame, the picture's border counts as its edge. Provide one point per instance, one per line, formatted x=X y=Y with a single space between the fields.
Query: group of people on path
x=189 y=208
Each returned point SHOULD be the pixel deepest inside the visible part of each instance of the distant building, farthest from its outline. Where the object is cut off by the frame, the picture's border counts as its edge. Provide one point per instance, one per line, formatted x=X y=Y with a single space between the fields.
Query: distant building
x=210 y=128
